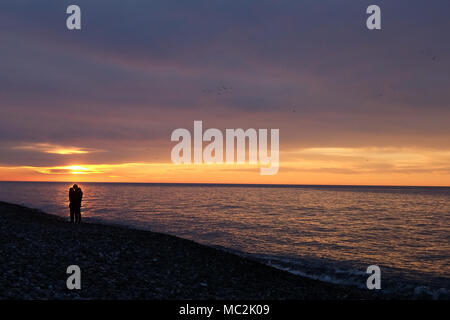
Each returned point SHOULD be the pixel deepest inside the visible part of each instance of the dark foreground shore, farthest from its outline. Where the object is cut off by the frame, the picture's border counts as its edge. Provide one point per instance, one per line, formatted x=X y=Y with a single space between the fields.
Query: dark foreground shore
x=121 y=263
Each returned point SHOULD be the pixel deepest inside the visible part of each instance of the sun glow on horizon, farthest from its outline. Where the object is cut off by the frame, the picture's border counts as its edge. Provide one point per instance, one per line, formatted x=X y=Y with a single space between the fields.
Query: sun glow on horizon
x=338 y=166
x=78 y=170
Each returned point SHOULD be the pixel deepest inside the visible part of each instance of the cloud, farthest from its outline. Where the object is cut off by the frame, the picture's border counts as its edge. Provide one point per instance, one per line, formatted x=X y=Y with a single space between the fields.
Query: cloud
x=367 y=160
x=55 y=149
x=67 y=170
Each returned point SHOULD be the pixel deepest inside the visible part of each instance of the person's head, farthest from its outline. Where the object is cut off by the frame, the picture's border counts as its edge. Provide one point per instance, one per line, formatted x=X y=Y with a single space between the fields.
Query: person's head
x=75 y=187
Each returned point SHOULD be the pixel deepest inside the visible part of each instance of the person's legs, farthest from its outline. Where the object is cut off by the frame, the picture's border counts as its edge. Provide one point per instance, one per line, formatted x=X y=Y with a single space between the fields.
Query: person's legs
x=78 y=215
x=72 y=214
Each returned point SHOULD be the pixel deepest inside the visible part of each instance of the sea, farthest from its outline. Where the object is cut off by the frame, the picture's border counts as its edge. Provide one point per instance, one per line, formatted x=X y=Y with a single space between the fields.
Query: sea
x=330 y=233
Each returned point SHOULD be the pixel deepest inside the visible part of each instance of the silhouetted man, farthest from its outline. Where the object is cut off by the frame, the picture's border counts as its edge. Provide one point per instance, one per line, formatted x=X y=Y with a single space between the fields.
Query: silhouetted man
x=75 y=197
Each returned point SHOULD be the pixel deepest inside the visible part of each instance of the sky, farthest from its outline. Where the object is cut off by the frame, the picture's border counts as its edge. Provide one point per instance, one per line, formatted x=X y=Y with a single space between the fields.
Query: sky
x=353 y=106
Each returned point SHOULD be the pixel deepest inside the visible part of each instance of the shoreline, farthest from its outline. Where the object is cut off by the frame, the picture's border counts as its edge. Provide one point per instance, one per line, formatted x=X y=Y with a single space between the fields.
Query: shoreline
x=118 y=262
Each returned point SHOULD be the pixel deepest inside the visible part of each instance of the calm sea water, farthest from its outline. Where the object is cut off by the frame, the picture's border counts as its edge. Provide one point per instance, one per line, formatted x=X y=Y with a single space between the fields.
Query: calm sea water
x=329 y=233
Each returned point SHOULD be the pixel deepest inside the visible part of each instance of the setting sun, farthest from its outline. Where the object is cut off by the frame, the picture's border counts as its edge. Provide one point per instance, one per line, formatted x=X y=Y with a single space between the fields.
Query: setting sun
x=78 y=170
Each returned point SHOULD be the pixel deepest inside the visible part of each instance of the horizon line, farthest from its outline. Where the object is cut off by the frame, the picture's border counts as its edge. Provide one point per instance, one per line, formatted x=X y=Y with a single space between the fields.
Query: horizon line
x=239 y=184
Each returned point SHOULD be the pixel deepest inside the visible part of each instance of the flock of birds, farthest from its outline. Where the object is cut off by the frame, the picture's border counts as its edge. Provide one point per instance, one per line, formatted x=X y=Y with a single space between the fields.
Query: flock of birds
x=218 y=90
x=223 y=89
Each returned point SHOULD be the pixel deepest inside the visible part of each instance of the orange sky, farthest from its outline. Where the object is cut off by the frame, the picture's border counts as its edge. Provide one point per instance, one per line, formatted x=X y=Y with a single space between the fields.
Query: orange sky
x=340 y=166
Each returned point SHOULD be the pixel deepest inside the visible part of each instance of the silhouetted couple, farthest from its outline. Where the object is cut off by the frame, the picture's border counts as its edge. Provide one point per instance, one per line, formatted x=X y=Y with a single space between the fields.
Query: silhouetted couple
x=75 y=197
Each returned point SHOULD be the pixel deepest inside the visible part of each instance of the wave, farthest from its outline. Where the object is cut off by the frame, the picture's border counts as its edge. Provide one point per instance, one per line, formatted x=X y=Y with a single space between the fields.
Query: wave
x=394 y=282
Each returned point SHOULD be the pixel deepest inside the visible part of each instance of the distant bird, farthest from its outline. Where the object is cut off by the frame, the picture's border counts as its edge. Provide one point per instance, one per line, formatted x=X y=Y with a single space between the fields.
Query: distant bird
x=427 y=53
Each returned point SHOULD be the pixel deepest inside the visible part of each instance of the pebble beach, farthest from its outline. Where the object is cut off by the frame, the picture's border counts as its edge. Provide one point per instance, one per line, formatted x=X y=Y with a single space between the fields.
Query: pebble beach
x=122 y=263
